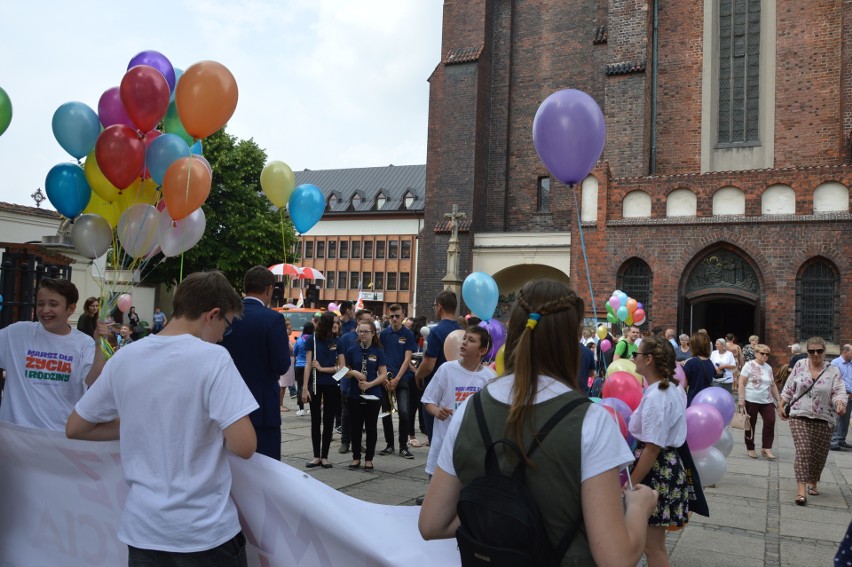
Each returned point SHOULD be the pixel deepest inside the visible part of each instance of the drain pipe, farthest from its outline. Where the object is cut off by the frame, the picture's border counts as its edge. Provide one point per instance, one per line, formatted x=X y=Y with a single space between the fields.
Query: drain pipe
x=652 y=166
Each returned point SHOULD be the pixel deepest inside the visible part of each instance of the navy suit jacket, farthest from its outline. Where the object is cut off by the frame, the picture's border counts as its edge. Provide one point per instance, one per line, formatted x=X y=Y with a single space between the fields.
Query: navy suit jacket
x=258 y=343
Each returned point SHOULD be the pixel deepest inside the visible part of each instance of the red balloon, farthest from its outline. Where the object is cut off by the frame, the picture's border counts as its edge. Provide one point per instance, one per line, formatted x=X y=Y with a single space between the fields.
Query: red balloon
x=149 y=137
x=120 y=154
x=623 y=385
x=145 y=95
x=622 y=426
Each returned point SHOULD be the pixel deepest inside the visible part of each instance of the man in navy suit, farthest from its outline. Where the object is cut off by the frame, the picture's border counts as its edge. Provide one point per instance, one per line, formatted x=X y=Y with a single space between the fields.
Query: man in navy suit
x=258 y=343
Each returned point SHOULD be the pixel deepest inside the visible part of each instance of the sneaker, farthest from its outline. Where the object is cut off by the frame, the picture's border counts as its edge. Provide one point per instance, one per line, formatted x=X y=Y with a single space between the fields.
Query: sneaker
x=835 y=448
x=300 y=413
x=338 y=429
x=405 y=453
x=845 y=445
x=387 y=451
x=344 y=448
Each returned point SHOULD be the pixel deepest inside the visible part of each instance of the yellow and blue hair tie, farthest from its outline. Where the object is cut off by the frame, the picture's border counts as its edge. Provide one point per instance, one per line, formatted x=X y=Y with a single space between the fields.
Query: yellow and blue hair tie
x=533 y=320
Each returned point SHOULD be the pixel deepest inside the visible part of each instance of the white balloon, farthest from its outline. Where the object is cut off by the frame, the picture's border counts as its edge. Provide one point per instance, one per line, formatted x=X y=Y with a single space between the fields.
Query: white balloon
x=424 y=331
x=725 y=444
x=91 y=235
x=137 y=230
x=176 y=237
x=711 y=465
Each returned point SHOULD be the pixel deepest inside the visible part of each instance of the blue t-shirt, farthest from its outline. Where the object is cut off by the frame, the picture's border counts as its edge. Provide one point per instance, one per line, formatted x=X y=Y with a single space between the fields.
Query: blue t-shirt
x=326 y=355
x=354 y=360
x=699 y=374
x=347 y=341
x=347 y=326
x=587 y=363
x=300 y=350
x=396 y=343
x=435 y=342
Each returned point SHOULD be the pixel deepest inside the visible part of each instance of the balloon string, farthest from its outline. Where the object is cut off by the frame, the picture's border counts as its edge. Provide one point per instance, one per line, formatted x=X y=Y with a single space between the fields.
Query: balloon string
x=180 y=279
x=283 y=237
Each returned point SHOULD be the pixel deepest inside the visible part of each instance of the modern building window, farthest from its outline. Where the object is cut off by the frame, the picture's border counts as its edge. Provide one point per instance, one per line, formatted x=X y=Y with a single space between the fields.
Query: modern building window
x=296 y=283
x=543 y=195
x=816 y=298
x=739 y=71
x=329 y=280
x=391 y=283
x=635 y=280
x=368 y=249
x=380 y=249
x=393 y=249
x=309 y=249
x=406 y=249
x=332 y=249
x=354 y=280
x=379 y=281
x=356 y=249
x=320 y=249
x=404 y=281
x=366 y=280
x=344 y=248
x=341 y=280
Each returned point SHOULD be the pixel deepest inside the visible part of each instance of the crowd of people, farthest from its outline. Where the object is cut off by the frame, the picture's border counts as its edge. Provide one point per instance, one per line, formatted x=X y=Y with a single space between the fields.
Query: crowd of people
x=351 y=369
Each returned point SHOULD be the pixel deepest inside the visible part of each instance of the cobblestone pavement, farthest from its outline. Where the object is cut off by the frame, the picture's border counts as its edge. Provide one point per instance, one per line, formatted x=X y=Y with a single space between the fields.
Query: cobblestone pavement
x=753 y=520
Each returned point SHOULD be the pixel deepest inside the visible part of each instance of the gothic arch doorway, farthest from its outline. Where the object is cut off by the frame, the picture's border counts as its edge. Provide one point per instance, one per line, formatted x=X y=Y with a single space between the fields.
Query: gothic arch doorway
x=720 y=291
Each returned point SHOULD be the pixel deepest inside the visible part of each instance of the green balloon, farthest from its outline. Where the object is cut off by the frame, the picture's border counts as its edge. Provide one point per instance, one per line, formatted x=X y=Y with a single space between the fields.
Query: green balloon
x=173 y=125
x=611 y=318
x=5 y=111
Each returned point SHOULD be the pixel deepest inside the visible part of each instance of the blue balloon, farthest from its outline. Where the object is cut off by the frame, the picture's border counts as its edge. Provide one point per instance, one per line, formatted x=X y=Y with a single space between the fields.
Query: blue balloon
x=163 y=152
x=480 y=293
x=306 y=207
x=197 y=148
x=76 y=127
x=178 y=73
x=67 y=189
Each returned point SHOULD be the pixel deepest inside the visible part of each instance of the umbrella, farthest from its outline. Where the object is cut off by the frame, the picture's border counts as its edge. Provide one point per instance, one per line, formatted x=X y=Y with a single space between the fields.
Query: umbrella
x=286 y=270
x=311 y=274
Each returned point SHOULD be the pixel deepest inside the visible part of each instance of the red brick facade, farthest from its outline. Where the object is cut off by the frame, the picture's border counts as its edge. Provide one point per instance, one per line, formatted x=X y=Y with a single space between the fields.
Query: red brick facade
x=481 y=156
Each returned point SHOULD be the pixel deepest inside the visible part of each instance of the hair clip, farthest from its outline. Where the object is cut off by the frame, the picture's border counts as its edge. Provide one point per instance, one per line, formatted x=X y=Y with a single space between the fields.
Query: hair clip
x=533 y=320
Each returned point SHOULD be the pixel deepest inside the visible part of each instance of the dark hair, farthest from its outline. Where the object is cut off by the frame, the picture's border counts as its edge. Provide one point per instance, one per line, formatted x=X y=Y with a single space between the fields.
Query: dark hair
x=416 y=324
x=375 y=340
x=325 y=325
x=474 y=320
x=308 y=329
x=547 y=346
x=731 y=337
x=395 y=307
x=344 y=306
x=447 y=300
x=663 y=355
x=64 y=288
x=361 y=312
x=483 y=334
x=202 y=291
x=656 y=330
x=257 y=279
x=89 y=302
x=699 y=344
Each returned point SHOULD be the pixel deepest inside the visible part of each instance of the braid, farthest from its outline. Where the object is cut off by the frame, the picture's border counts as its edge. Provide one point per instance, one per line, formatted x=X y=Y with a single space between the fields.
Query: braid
x=664 y=359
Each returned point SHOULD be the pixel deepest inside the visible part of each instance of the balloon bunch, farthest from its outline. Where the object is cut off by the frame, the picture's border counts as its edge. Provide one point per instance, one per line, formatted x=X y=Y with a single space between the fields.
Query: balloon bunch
x=622 y=392
x=622 y=308
x=709 y=440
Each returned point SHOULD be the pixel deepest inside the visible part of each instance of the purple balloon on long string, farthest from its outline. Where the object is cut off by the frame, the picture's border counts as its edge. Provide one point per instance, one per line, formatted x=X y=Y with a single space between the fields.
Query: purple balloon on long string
x=569 y=134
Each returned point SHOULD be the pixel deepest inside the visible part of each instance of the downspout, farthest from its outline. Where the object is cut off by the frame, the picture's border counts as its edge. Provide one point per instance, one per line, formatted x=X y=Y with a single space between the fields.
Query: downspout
x=652 y=166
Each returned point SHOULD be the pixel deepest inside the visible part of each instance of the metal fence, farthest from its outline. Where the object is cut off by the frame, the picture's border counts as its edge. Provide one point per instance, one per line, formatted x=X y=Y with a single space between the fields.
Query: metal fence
x=21 y=271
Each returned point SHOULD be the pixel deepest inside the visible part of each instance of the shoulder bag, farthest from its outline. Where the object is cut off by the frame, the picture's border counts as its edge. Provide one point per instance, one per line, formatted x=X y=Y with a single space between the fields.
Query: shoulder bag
x=789 y=405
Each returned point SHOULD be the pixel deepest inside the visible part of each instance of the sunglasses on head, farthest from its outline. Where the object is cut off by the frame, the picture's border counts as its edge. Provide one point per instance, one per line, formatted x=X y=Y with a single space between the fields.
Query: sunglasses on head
x=816 y=350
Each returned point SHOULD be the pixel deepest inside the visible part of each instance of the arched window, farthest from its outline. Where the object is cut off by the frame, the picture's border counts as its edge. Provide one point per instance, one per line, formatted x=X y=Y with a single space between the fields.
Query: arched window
x=816 y=298
x=739 y=71
x=634 y=279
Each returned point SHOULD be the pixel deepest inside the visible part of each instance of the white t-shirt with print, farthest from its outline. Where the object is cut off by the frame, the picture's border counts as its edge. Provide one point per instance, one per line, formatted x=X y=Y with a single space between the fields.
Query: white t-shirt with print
x=602 y=446
x=661 y=416
x=175 y=395
x=451 y=385
x=759 y=380
x=45 y=374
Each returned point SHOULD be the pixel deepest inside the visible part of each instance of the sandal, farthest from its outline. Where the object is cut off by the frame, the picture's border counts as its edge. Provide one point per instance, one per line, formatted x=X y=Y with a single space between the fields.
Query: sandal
x=768 y=454
x=801 y=500
x=368 y=466
x=414 y=442
x=752 y=454
x=812 y=490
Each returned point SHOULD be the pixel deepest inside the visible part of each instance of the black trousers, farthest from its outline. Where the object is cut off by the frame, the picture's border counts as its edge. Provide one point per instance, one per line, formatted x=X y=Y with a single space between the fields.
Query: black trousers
x=364 y=415
x=232 y=553
x=324 y=407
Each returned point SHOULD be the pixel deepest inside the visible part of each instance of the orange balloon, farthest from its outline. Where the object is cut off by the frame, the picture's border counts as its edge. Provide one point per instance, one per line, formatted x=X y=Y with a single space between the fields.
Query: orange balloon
x=206 y=97
x=186 y=186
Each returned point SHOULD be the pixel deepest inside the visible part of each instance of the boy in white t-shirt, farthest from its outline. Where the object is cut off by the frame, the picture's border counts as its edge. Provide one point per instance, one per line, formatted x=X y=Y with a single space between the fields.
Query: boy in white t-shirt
x=453 y=383
x=178 y=396
x=48 y=363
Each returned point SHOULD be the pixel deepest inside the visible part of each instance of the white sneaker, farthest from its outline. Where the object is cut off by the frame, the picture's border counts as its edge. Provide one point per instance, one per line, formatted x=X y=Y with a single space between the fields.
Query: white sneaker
x=300 y=413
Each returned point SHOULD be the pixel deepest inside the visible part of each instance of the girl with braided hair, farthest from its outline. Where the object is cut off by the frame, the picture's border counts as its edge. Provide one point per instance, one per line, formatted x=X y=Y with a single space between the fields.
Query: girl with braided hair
x=659 y=425
x=579 y=460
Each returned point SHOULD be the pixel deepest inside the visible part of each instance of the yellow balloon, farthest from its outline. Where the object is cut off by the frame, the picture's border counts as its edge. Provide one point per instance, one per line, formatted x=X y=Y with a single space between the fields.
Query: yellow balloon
x=621 y=365
x=601 y=332
x=499 y=361
x=109 y=211
x=277 y=181
x=140 y=192
x=99 y=184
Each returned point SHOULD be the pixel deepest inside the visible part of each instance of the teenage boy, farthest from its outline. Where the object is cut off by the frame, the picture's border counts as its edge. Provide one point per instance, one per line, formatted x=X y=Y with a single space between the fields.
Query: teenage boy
x=173 y=417
x=399 y=344
x=452 y=384
x=48 y=364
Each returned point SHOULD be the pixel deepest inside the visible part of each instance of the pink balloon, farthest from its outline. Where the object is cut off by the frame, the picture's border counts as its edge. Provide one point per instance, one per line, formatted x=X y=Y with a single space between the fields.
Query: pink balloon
x=622 y=425
x=614 y=303
x=623 y=385
x=606 y=344
x=124 y=302
x=452 y=345
x=679 y=374
x=704 y=426
x=333 y=306
x=111 y=109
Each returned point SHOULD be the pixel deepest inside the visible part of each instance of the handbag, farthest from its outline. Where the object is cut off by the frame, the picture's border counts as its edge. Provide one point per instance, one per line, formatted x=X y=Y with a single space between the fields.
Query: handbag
x=741 y=421
x=789 y=405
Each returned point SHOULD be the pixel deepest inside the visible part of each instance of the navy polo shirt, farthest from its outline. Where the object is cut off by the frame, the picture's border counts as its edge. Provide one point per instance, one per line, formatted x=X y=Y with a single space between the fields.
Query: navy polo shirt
x=396 y=343
x=375 y=359
x=435 y=341
x=327 y=351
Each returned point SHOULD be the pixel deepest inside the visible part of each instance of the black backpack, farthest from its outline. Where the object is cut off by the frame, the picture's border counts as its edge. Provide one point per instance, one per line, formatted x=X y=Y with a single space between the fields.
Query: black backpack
x=501 y=525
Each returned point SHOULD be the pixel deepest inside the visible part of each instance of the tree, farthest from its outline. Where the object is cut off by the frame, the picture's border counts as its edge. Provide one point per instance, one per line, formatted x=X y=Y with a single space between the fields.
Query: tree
x=243 y=228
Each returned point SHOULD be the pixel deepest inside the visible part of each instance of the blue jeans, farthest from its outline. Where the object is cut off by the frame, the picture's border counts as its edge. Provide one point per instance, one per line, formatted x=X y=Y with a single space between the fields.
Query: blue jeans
x=841 y=428
x=232 y=553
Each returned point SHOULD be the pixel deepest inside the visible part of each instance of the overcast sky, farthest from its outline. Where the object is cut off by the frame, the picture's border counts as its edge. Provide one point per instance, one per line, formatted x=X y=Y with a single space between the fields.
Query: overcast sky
x=322 y=83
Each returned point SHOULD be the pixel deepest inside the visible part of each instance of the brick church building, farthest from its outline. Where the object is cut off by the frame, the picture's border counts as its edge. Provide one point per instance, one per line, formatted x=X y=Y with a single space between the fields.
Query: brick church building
x=721 y=200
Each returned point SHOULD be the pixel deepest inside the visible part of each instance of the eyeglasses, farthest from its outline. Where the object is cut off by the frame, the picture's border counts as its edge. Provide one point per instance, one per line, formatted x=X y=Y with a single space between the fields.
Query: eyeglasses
x=228 y=327
x=816 y=350
x=397 y=316
x=637 y=353
x=365 y=332
x=761 y=352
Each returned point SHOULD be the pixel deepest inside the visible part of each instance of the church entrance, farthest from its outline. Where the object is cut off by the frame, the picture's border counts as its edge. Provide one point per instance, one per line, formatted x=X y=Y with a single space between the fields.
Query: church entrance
x=720 y=292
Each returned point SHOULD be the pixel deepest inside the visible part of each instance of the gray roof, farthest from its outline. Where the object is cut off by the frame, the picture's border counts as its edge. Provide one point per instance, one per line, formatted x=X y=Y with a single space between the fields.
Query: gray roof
x=393 y=182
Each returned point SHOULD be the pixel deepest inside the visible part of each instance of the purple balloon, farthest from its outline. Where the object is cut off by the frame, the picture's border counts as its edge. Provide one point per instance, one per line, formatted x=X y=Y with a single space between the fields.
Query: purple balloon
x=498 y=335
x=704 y=426
x=111 y=109
x=569 y=134
x=159 y=62
x=618 y=405
x=720 y=399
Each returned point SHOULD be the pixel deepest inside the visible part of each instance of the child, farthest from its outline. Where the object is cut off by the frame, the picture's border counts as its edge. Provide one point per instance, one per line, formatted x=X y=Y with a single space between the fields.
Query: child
x=48 y=364
x=453 y=383
x=178 y=396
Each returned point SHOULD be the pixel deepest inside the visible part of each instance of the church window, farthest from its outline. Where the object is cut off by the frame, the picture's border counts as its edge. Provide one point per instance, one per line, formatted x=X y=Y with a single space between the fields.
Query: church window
x=739 y=72
x=816 y=298
x=634 y=279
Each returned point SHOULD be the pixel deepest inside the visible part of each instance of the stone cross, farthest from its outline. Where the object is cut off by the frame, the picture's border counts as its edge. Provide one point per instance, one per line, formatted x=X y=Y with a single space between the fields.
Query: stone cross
x=452 y=280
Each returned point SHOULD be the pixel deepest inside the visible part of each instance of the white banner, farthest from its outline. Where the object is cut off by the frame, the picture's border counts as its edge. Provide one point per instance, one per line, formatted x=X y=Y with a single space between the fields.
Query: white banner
x=60 y=502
